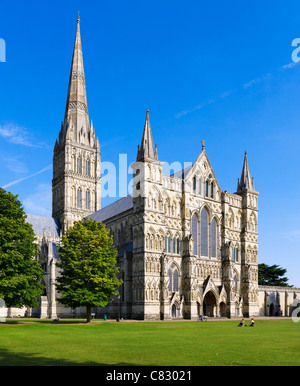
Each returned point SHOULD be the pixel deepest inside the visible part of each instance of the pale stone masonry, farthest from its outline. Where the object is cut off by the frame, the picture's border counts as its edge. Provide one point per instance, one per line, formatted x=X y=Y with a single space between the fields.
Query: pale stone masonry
x=185 y=246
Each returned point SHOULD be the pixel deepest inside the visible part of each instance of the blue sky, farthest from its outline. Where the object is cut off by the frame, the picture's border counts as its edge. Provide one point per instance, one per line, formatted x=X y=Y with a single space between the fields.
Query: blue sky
x=219 y=71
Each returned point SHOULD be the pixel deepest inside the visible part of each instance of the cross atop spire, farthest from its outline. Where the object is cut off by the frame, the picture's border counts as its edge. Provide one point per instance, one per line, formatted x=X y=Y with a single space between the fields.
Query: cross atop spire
x=246 y=183
x=146 y=150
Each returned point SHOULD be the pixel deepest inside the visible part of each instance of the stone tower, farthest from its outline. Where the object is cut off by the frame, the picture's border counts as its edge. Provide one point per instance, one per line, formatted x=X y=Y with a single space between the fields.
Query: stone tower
x=76 y=185
x=147 y=202
x=249 y=241
x=240 y=247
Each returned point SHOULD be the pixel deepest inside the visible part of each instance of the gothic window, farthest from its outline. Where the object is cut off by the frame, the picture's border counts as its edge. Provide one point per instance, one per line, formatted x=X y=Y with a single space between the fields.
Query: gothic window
x=204 y=233
x=79 y=198
x=87 y=167
x=168 y=243
x=235 y=254
x=79 y=165
x=194 y=184
x=87 y=200
x=173 y=279
x=212 y=190
x=194 y=227
x=175 y=245
x=213 y=238
x=206 y=188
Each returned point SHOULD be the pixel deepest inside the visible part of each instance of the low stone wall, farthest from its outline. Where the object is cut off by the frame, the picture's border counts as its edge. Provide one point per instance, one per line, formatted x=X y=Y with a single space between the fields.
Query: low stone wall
x=277 y=301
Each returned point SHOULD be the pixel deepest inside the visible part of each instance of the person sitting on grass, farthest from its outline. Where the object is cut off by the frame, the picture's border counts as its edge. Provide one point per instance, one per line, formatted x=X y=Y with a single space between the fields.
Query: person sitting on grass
x=241 y=324
x=252 y=323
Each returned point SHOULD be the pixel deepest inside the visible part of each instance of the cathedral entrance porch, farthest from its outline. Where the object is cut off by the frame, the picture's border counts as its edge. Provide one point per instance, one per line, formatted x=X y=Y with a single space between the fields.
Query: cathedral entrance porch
x=210 y=307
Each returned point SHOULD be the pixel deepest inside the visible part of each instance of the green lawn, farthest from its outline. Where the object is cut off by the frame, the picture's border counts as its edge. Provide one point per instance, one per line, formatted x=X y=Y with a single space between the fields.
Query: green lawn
x=212 y=343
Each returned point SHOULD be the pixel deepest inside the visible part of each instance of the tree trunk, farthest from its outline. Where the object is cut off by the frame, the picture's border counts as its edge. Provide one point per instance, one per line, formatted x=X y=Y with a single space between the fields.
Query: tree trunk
x=88 y=314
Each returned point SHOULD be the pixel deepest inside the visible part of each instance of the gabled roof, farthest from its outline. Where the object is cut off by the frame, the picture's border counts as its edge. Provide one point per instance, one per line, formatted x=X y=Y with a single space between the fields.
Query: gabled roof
x=182 y=173
x=187 y=173
x=114 y=209
x=41 y=224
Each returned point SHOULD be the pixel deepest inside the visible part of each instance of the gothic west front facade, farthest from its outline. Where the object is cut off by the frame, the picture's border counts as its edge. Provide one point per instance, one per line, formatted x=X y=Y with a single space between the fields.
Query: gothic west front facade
x=185 y=247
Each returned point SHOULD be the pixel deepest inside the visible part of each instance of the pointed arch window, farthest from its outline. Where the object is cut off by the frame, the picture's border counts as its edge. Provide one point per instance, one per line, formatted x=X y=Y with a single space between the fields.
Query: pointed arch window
x=173 y=279
x=79 y=165
x=87 y=167
x=213 y=238
x=79 y=199
x=235 y=254
x=206 y=188
x=194 y=228
x=176 y=244
x=204 y=233
x=87 y=200
x=194 y=184
x=168 y=243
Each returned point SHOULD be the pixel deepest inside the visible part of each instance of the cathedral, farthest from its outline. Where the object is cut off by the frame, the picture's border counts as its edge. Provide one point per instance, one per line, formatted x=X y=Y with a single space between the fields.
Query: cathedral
x=185 y=247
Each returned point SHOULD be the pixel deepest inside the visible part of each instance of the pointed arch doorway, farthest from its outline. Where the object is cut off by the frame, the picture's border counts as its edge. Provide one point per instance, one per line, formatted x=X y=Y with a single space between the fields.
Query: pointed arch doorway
x=209 y=304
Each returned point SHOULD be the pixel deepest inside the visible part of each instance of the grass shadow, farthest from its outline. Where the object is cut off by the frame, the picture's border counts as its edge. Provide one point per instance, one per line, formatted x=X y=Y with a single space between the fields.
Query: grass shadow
x=9 y=359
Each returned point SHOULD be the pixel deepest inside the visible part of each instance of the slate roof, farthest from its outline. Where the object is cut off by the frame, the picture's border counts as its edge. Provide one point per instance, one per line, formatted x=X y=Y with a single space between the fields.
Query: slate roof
x=42 y=223
x=182 y=173
x=114 y=209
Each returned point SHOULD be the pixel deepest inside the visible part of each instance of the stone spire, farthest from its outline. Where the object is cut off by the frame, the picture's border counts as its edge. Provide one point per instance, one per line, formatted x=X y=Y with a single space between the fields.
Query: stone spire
x=76 y=113
x=76 y=184
x=146 y=151
x=246 y=183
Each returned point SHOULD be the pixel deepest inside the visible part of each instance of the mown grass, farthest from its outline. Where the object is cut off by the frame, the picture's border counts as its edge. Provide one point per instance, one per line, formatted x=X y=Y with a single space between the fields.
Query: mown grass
x=213 y=343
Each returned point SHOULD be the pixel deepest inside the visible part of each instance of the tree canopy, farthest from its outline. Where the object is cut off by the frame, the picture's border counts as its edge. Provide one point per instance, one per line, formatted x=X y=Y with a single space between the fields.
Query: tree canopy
x=88 y=259
x=20 y=272
x=272 y=275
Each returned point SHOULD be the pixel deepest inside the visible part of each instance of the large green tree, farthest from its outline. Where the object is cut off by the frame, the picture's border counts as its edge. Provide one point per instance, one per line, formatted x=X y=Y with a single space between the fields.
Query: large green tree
x=88 y=259
x=272 y=275
x=20 y=272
